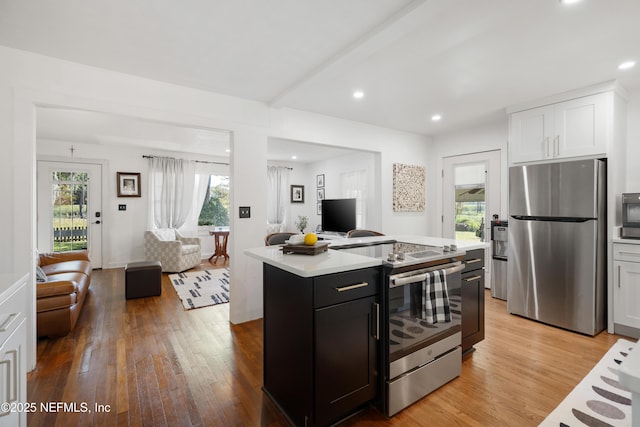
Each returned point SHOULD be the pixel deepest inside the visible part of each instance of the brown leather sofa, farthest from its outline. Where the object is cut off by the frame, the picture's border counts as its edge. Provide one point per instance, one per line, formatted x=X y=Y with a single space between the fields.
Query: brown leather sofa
x=60 y=299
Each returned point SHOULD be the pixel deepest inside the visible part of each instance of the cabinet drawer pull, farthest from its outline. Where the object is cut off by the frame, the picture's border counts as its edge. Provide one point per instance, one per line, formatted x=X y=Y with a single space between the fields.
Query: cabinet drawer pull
x=472 y=278
x=629 y=254
x=619 y=272
x=8 y=321
x=350 y=287
x=474 y=260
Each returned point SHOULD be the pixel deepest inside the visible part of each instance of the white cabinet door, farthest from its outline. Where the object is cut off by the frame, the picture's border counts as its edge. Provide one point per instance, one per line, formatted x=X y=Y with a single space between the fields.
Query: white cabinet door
x=13 y=372
x=530 y=134
x=581 y=127
x=626 y=293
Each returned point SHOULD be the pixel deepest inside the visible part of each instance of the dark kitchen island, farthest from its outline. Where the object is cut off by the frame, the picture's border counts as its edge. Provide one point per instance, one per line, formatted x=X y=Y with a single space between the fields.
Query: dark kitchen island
x=322 y=329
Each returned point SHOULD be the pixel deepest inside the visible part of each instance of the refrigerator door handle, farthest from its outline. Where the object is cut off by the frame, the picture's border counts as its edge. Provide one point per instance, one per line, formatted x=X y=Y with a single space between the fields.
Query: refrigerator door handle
x=550 y=219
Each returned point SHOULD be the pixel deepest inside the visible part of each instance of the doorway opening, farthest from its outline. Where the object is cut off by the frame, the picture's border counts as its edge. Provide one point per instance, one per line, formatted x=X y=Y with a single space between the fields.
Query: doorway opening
x=471 y=194
x=69 y=211
x=470 y=203
x=69 y=197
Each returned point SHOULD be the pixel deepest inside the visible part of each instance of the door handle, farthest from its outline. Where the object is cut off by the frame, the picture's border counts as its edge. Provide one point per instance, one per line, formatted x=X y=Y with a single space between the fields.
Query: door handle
x=472 y=278
x=556 y=145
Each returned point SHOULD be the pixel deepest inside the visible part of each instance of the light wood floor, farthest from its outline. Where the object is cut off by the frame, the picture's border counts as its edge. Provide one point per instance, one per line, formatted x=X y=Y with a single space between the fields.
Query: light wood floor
x=156 y=364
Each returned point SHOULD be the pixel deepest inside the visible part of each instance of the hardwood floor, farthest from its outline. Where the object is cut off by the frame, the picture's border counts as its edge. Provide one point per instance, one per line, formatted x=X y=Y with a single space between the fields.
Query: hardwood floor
x=151 y=363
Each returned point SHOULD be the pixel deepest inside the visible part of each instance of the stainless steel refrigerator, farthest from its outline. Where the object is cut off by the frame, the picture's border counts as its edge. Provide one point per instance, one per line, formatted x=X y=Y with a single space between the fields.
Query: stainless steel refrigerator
x=556 y=272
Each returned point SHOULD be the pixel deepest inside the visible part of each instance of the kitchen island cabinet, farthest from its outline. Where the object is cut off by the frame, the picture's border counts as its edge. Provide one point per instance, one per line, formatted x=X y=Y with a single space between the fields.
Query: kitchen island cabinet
x=472 y=300
x=320 y=343
x=323 y=319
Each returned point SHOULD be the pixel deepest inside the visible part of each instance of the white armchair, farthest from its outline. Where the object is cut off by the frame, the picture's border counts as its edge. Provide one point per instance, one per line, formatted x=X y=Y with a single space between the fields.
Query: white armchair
x=176 y=252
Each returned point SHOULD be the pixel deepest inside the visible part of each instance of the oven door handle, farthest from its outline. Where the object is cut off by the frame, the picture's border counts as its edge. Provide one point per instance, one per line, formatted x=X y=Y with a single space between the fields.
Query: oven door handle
x=420 y=277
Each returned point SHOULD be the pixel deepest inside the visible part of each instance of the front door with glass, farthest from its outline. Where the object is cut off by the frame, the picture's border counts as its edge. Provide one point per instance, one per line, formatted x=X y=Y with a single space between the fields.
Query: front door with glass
x=69 y=208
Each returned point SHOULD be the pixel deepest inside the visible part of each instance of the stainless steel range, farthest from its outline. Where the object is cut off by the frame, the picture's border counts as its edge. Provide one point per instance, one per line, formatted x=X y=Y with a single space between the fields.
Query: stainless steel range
x=421 y=305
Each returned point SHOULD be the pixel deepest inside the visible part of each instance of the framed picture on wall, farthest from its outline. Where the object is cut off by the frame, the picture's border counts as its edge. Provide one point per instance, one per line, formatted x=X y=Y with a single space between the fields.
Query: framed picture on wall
x=129 y=184
x=320 y=194
x=297 y=194
x=320 y=181
x=319 y=211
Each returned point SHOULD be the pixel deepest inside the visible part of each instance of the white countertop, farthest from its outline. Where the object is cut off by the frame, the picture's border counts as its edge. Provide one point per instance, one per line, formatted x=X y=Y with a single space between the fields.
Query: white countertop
x=328 y=262
x=335 y=261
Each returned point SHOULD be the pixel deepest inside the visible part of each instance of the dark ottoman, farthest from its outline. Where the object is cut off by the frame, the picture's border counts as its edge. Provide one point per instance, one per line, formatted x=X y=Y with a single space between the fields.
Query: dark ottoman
x=143 y=279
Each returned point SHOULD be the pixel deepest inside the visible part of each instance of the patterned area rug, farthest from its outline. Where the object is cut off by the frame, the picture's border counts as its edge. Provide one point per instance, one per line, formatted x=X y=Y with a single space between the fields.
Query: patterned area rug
x=599 y=399
x=202 y=288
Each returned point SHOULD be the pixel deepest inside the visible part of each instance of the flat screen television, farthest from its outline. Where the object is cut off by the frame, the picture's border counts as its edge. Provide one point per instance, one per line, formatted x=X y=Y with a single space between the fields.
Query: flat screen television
x=338 y=215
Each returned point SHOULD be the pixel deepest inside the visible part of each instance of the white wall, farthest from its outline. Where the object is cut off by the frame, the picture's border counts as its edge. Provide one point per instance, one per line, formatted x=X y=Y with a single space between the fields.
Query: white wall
x=306 y=173
x=633 y=143
x=493 y=136
x=123 y=230
x=393 y=146
x=332 y=169
x=299 y=175
x=28 y=80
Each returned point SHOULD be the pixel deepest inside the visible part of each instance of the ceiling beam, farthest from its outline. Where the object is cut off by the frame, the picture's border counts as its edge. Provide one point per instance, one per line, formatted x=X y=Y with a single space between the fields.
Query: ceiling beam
x=404 y=21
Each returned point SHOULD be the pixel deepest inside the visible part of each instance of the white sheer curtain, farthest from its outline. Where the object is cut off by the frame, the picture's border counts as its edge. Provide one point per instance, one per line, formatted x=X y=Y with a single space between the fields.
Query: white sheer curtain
x=171 y=188
x=201 y=186
x=277 y=195
x=354 y=185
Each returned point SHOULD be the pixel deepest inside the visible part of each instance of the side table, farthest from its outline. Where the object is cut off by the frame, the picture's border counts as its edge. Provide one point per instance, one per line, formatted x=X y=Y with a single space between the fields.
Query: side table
x=220 y=238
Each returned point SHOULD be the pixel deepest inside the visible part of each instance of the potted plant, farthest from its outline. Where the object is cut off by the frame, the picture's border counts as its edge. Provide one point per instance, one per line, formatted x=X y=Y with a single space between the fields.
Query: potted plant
x=301 y=223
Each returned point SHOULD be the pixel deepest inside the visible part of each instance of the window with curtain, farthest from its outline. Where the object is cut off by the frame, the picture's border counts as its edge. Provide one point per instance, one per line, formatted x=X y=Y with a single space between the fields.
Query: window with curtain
x=354 y=185
x=171 y=191
x=215 y=207
x=186 y=194
x=278 y=195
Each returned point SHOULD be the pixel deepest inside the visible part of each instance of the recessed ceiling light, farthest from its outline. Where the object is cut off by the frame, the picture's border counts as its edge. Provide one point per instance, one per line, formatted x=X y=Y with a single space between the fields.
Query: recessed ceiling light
x=570 y=1
x=228 y=150
x=294 y=157
x=436 y=117
x=626 y=65
x=358 y=94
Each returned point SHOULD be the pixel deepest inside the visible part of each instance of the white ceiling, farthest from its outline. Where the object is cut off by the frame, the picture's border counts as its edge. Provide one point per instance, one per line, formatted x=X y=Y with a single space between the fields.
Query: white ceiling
x=108 y=129
x=464 y=59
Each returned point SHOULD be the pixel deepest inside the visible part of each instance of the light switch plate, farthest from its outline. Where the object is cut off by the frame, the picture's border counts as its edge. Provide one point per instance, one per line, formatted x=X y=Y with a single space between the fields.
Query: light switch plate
x=245 y=212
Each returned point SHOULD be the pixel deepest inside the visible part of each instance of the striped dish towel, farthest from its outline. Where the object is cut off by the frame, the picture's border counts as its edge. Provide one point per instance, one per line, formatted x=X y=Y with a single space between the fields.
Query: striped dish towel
x=435 y=299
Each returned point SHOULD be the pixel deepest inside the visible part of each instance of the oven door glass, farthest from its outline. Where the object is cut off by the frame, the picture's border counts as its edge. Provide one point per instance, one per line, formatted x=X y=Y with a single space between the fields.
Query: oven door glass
x=408 y=330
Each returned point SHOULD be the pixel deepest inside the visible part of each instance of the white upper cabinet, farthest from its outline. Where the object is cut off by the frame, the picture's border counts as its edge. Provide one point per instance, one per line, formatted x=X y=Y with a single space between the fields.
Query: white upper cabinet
x=574 y=128
x=581 y=126
x=530 y=134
